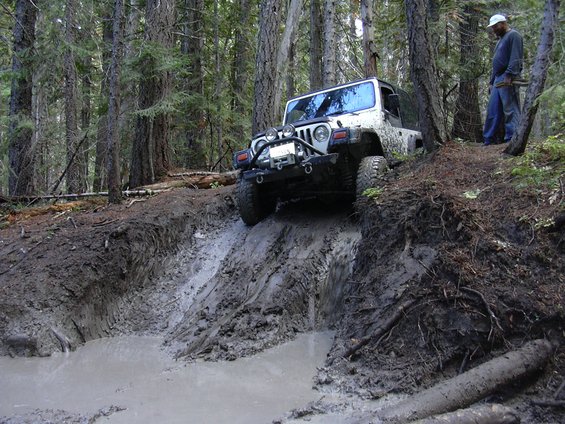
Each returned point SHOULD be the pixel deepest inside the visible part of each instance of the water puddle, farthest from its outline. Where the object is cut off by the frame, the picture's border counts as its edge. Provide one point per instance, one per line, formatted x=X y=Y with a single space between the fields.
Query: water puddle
x=133 y=373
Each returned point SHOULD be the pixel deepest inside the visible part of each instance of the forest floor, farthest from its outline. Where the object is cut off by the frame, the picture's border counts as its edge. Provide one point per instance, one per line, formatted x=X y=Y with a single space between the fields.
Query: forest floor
x=475 y=254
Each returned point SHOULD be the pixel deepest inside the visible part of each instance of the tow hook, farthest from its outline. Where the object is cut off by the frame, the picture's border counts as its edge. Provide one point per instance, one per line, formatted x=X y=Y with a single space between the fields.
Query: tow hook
x=259 y=179
x=308 y=168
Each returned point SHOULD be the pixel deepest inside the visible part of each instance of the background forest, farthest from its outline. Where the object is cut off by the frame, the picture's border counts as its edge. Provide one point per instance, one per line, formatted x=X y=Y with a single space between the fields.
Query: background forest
x=162 y=85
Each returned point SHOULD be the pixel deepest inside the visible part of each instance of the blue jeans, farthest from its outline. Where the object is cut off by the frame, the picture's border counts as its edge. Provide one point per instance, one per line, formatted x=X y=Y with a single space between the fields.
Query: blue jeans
x=503 y=106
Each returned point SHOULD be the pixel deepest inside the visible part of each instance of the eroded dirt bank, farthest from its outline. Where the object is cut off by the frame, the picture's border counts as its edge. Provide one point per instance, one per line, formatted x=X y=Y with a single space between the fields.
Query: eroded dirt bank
x=471 y=275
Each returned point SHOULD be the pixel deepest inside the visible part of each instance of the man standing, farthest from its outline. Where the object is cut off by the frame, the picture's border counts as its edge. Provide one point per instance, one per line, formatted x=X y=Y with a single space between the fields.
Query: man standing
x=503 y=105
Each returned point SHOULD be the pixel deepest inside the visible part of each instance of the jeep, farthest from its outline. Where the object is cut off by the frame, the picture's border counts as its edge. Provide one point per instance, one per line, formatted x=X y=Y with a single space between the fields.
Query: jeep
x=333 y=143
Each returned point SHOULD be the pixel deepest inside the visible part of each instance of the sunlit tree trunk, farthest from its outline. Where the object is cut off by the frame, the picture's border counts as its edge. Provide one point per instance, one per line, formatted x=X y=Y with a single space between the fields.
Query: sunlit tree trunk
x=330 y=46
x=287 y=41
x=370 y=54
x=20 y=132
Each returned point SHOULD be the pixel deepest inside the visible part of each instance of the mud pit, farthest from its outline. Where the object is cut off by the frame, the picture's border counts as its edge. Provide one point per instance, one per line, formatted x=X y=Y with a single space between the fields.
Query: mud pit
x=475 y=280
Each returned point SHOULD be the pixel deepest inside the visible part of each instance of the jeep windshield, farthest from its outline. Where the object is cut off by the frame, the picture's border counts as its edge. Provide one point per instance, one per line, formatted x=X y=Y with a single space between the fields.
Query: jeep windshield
x=342 y=100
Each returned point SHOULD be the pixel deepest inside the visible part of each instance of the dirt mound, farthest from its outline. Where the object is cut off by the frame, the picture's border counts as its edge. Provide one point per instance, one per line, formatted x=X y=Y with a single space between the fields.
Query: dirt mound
x=445 y=252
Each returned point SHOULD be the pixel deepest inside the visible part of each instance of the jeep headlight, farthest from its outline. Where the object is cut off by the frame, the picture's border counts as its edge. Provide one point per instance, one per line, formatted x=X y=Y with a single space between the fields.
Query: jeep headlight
x=288 y=131
x=271 y=134
x=259 y=144
x=321 y=134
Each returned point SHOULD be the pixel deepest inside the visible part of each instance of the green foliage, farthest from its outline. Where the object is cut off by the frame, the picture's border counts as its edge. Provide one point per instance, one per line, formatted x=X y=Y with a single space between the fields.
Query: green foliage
x=373 y=192
x=542 y=166
x=553 y=98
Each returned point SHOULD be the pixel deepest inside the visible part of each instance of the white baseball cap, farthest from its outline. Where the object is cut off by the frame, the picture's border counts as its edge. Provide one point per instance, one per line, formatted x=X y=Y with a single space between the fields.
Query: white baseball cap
x=494 y=19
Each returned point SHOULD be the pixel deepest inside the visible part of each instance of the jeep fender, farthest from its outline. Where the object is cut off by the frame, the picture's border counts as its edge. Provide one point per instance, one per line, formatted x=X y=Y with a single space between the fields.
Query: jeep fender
x=364 y=142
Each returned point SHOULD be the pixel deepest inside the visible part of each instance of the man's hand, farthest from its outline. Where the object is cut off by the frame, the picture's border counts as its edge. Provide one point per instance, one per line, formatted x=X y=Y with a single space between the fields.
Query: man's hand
x=507 y=79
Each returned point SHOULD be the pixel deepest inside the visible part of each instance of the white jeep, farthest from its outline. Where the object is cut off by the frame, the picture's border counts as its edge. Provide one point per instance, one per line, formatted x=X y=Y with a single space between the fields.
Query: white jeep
x=333 y=143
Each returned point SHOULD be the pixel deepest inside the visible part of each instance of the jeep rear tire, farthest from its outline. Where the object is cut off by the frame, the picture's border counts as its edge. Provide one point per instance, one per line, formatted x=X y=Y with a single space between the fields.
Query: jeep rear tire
x=252 y=201
x=370 y=172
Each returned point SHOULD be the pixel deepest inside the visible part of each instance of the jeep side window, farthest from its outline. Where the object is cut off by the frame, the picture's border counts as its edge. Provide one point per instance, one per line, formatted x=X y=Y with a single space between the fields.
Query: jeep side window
x=391 y=106
x=409 y=109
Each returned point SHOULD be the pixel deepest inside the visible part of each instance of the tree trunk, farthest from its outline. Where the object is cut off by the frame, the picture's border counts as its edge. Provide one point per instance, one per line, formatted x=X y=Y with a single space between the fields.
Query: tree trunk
x=130 y=86
x=150 y=151
x=424 y=76
x=538 y=75
x=217 y=90
x=329 y=73
x=287 y=41
x=265 y=67
x=85 y=112
x=291 y=76
x=20 y=132
x=370 y=54
x=75 y=182
x=316 y=81
x=467 y=123
x=242 y=49
x=113 y=147
x=100 y=179
x=40 y=142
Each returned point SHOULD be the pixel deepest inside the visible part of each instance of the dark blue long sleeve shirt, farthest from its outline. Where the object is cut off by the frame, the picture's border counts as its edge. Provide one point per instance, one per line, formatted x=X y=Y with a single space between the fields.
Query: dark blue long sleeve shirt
x=508 y=56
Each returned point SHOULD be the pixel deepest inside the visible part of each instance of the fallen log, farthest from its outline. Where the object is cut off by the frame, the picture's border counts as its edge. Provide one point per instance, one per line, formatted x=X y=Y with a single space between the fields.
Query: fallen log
x=471 y=386
x=484 y=414
x=76 y=196
x=196 y=180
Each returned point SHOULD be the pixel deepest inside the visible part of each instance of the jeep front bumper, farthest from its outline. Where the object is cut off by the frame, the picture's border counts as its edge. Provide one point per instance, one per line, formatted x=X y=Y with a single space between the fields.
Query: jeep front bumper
x=306 y=167
x=287 y=158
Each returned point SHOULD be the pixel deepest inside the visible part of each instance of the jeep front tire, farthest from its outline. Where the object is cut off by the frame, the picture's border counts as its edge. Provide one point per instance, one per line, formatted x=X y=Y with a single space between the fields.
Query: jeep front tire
x=252 y=201
x=370 y=172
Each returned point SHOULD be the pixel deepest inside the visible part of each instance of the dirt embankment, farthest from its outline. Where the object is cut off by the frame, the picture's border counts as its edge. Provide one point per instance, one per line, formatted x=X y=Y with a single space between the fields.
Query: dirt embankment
x=65 y=277
x=448 y=250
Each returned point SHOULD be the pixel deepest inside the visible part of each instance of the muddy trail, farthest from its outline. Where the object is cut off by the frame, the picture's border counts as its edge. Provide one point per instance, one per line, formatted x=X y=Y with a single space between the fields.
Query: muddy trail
x=419 y=284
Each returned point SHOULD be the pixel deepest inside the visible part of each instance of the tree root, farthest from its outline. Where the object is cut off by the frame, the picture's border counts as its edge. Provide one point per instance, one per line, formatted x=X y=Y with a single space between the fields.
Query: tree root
x=382 y=329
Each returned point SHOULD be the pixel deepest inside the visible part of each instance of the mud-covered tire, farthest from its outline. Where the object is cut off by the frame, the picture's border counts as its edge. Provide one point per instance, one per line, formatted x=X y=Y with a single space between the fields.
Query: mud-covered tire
x=370 y=172
x=253 y=204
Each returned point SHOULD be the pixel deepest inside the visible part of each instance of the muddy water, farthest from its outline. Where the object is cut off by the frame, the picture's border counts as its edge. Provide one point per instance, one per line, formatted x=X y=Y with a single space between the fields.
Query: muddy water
x=133 y=373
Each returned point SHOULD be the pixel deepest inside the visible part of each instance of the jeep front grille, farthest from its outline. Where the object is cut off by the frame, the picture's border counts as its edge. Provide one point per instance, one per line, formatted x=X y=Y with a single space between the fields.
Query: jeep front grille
x=306 y=135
